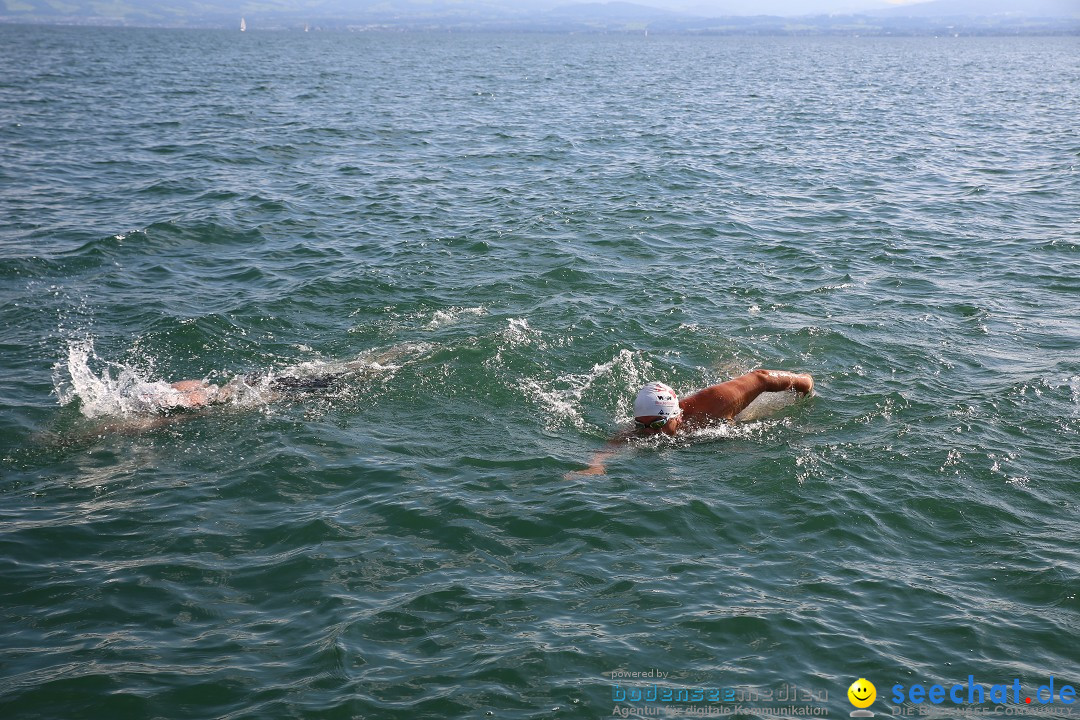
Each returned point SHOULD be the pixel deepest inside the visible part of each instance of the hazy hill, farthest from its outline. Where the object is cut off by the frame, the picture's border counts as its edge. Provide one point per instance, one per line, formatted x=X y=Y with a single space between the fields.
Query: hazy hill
x=929 y=18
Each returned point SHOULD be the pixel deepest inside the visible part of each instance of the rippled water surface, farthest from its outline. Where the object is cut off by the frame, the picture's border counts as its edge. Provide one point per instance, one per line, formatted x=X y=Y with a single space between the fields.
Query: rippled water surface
x=498 y=239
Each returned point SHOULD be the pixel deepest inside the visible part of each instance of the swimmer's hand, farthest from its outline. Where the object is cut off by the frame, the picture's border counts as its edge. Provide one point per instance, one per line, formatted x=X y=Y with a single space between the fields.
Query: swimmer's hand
x=594 y=469
x=596 y=465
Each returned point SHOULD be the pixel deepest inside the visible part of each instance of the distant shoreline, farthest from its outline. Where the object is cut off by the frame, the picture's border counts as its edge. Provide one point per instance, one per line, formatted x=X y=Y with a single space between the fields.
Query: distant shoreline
x=811 y=26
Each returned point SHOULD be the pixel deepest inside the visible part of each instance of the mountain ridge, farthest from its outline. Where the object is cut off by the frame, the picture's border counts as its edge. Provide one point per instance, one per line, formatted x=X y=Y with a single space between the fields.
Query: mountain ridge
x=979 y=17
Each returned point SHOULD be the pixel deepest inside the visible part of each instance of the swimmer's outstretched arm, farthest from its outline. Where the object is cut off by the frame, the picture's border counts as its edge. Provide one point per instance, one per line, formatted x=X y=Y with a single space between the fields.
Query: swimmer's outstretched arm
x=728 y=399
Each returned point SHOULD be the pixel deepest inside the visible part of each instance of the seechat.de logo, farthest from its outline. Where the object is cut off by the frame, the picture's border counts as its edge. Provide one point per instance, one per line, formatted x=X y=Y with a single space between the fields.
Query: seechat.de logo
x=862 y=694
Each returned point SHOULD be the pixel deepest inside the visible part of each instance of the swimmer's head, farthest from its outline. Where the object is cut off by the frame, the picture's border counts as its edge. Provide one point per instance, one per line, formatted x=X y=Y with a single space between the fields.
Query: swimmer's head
x=655 y=406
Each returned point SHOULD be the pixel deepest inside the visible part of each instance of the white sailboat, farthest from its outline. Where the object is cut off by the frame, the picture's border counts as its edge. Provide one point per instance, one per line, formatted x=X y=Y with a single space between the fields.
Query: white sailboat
x=243 y=25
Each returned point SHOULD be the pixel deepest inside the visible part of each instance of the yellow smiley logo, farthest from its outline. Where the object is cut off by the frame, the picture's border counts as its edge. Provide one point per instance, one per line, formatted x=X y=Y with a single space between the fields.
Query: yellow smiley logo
x=862 y=693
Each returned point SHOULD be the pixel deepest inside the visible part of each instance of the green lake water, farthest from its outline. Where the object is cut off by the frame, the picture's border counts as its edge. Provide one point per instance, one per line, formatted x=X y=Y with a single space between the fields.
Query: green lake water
x=500 y=238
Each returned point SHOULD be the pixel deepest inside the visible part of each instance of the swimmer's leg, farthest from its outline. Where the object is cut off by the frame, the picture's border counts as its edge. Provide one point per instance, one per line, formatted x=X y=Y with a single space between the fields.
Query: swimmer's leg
x=314 y=383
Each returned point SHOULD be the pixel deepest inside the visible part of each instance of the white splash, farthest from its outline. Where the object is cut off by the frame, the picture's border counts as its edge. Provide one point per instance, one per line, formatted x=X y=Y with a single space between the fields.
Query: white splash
x=450 y=316
x=564 y=397
x=518 y=332
x=765 y=404
x=115 y=390
x=384 y=362
x=1073 y=383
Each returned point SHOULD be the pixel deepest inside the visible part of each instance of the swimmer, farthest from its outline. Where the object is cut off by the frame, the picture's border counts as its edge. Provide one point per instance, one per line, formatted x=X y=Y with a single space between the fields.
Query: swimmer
x=179 y=400
x=658 y=410
x=198 y=394
x=158 y=405
x=193 y=394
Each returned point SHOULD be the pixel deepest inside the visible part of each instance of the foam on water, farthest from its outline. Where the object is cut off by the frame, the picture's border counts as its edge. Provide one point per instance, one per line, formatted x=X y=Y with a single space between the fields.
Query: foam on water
x=383 y=361
x=450 y=316
x=518 y=332
x=114 y=390
x=766 y=404
x=564 y=397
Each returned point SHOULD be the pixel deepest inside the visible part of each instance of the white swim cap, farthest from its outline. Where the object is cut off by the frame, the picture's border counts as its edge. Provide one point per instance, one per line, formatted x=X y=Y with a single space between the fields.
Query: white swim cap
x=657 y=399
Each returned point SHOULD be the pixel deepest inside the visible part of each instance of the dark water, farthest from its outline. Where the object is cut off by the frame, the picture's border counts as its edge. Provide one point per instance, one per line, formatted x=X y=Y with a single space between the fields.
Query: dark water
x=500 y=238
